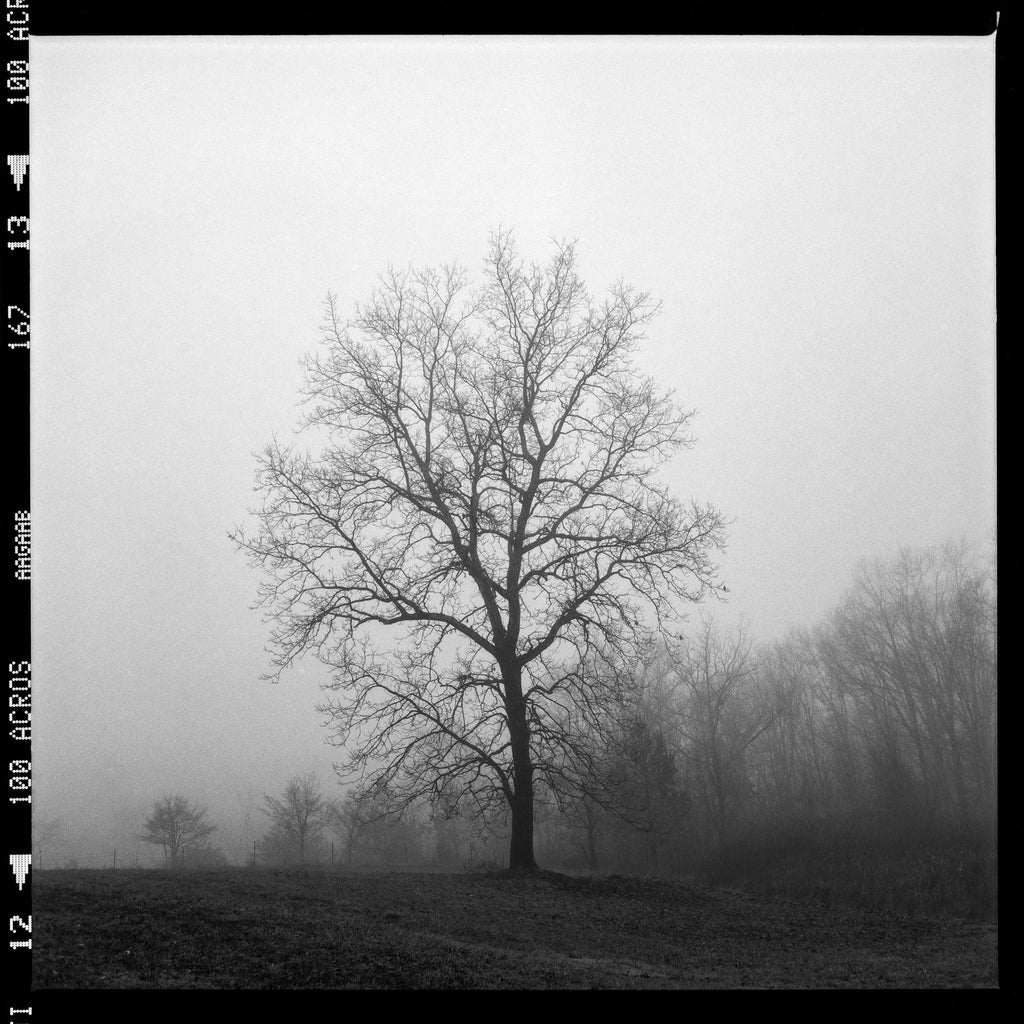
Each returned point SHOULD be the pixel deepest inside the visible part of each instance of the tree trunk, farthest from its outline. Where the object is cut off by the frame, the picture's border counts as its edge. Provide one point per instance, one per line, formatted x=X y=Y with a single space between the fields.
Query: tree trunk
x=520 y=854
x=591 y=837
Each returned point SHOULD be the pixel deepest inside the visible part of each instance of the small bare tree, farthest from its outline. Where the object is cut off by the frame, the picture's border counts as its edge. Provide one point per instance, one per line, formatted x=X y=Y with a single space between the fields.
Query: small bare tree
x=176 y=824
x=357 y=815
x=242 y=842
x=44 y=834
x=483 y=493
x=301 y=813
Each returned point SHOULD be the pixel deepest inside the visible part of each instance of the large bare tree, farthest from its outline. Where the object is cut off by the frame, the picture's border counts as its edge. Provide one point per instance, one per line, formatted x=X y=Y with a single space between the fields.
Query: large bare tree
x=479 y=514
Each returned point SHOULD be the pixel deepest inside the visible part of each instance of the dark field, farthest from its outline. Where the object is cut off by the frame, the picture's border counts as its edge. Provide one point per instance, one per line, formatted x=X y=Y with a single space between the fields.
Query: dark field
x=291 y=930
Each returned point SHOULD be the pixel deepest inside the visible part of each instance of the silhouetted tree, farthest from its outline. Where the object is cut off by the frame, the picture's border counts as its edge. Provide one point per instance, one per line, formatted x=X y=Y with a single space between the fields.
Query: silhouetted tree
x=721 y=715
x=911 y=650
x=301 y=813
x=279 y=848
x=244 y=833
x=351 y=818
x=175 y=825
x=204 y=857
x=653 y=790
x=44 y=834
x=483 y=491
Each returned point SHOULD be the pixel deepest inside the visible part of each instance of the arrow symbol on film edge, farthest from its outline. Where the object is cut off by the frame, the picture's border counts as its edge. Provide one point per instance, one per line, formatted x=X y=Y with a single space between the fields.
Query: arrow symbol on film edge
x=20 y=863
x=18 y=166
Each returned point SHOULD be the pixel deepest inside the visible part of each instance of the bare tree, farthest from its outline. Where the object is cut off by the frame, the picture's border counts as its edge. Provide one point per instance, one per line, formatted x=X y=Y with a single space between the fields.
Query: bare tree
x=805 y=765
x=44 y=834
x=482 y=493
x=352 y=816
x=175 y=825
x=912 y=648
x=610 y=779
x=653 y=788
x=242 y=844
x=301 y=813
x=722 y=715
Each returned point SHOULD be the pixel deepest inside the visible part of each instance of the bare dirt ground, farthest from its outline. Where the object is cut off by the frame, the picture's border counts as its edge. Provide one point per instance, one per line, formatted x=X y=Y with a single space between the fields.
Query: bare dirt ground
x=245 y=929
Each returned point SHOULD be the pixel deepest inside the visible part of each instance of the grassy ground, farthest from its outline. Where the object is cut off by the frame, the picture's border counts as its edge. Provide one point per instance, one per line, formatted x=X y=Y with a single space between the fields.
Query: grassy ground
x=938 y=880
x=291 y=930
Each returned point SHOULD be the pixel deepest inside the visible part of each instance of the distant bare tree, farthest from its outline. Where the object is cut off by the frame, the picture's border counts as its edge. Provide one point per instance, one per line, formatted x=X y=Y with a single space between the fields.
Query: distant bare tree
x=242 y=841
x=205 y=856
x=175 y=825
x=804 y=764
x=353 y=815
x=653 y=788
x=44 y=834
x=912 y=652
x=301 y=813
x=722 y=715
x=483 y=493
x=604 y=782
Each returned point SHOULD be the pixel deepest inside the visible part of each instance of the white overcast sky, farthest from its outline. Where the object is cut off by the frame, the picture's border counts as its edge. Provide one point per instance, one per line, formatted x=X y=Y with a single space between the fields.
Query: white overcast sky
x=816 y=215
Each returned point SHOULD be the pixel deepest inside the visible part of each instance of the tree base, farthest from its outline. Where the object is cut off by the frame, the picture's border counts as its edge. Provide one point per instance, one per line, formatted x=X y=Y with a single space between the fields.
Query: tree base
x=534 y=872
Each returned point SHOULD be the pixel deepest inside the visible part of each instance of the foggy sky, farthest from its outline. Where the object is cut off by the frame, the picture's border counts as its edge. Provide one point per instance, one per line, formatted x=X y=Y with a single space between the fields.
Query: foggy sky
x=816 y=216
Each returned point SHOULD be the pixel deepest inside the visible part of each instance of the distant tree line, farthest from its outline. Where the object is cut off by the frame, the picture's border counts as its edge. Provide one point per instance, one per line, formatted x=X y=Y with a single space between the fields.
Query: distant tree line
x=868 y=740
x=358 y=829
x=862 y=747
x=874 y=731
x=875 y=728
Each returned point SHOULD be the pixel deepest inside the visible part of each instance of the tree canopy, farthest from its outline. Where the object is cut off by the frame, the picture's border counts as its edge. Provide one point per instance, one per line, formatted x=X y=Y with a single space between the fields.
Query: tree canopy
x=175 y=825
x=301 y=812
x=478 y=526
